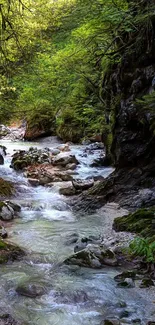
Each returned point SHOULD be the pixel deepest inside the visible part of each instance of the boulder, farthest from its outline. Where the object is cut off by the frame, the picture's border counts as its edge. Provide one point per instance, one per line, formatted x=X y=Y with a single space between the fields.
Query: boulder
x=83 y=184
x=146 y=283
x=83 y=242
x=33 y=181
x=63 y=159
x=31 y=290
x=3 y=150
x=15 y=206
x=68 y=191
x=6 y=212
x=22 y=159
x=94 y=256
x=64 y=147
x=127 y=283
x=55 y=152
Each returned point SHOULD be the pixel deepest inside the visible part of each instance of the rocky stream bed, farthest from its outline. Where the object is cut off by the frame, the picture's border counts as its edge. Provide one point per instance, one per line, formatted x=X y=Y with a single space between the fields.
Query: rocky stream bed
x=69 y=273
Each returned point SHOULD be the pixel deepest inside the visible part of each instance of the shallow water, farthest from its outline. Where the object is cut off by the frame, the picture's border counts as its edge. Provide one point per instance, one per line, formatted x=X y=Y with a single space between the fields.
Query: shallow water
x=74 y=296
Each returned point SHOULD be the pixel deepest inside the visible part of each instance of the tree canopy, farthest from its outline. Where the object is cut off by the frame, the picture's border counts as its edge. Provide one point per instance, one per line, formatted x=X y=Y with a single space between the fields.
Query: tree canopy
x=54 y=56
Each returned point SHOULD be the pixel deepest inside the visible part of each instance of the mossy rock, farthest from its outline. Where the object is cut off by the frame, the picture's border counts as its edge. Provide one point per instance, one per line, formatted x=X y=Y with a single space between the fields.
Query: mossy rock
x=141 y=222
x=9 y=252
x=6 y=188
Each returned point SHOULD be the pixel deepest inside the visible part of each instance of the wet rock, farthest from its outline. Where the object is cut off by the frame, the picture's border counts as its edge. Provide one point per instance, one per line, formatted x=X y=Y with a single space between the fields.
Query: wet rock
x=111 y=322
x=83 y=184
x=146 y=283
x=127 y=283
x=33 y=181
x=3 y=150
x=3 y=232
x=15 y=206
x=9 y=253
x=71 y=166
x=77 y=297
x=6 y=212
x=55 y=152
x=68 y=191
x=64 y=147
x=83 y=242
x=63 y=159
x=6 y=319
x=95 y=146
x=126 y=274
x=22 y=159
x=1 y=160
x=94 y=256
x=31 y=290
x=71 y=239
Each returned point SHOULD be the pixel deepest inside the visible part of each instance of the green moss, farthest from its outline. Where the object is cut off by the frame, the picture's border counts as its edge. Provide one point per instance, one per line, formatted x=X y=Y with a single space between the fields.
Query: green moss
x=6 y=188
x=141 y=222
x=3 y=245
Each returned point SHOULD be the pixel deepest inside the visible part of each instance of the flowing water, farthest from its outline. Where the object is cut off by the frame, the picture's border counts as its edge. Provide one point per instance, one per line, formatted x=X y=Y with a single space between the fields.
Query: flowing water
x=74 y=296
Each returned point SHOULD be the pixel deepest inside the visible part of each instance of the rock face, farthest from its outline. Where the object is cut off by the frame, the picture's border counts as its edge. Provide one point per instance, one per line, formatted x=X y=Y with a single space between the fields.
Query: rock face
x=94 y=256
x=133 y=137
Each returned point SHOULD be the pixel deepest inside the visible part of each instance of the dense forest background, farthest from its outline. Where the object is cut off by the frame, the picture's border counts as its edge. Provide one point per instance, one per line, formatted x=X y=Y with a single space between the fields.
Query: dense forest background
x=55 y=56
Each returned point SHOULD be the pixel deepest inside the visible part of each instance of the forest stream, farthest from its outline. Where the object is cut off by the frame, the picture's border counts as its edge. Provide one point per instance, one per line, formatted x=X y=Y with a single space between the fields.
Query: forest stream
x=73 y=295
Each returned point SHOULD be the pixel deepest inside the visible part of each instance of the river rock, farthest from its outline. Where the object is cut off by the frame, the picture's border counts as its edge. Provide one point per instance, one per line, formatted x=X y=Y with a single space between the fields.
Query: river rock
x=79 y=296
x=15 y=206
x=63 y=159
x=31 y=290
x=126 y=274
x=146 y=283
x=64 y=147
x=33 y=181
x=6 y=212
x=3 y=232
x=71 y=239
x=83 y=242
x=33 y=156
x=83 y=184
x=71 y=166
x=68 y=191
x=6 y=319
x=127 y=283
x=94 y=256
x=111 y=322
x=55 y=152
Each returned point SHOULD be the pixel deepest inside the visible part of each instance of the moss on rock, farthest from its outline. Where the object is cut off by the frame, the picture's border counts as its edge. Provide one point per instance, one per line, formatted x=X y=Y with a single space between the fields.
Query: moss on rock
x=6 y=188
x=141 y=222
x=9 y=252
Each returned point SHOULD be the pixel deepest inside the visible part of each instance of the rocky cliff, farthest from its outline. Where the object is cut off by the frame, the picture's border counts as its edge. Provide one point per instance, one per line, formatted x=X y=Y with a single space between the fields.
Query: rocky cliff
x=132 y=149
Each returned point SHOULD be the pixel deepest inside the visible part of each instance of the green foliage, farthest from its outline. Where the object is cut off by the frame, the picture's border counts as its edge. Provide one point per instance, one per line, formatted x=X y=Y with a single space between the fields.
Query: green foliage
x=55 y=56
x=142 y=247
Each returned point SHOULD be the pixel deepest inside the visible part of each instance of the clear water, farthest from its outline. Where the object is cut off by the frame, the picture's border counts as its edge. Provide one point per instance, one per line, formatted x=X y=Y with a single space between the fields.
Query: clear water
x=74 y=296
